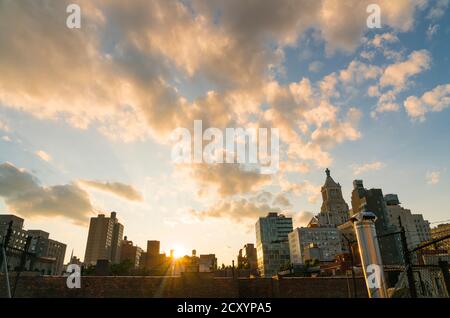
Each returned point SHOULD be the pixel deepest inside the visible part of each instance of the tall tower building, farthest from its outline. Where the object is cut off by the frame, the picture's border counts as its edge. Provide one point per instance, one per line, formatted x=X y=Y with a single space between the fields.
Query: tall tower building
x=272 y=244
x=334 y=210
x=373 y=201
x=104 y=239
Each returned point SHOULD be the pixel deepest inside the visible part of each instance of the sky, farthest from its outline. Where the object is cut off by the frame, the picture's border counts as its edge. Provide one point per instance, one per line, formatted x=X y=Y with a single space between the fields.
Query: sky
x=86 y=114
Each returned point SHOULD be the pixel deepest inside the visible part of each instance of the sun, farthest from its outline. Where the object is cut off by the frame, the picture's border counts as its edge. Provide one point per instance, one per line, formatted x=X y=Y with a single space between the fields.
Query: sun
x=179 y=251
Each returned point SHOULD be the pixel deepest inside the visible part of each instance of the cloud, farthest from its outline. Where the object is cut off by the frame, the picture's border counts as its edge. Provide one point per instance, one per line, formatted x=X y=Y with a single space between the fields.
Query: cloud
x=226 y=179
x=4 y=126
x=24 y=195
x=315 y=66
x=359 y=169
x=435 y=100
x=433 y=177
x=438 y=9
x=121 y=190
x=43 y=155
x=396 y=75
x=396 y=78
x=6 y=138
x=301 y=219
x=125 y=57
x=380 y=39
x=238 y=210
x=432 y=30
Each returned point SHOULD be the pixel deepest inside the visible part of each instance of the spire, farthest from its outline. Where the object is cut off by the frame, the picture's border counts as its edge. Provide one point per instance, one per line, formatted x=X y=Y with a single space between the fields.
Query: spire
x=329 y=182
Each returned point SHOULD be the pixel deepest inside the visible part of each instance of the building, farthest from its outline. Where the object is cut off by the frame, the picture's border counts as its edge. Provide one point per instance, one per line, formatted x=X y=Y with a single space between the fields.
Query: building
x=272 y=244
x=417 y=229
x=207 y=263
x=373 y=200
x=130 y=252
x=104 y=239
x=18 y=235
x=334 y=210
x=116 y=243
x=321 y=232
x=325 y=240
x=44 y=247
x=247 y=258
x=44 y=255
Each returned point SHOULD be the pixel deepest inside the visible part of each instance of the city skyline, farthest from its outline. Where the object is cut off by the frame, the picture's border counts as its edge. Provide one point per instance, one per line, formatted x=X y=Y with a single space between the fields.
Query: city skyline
x=326 y=222
x=84 y=125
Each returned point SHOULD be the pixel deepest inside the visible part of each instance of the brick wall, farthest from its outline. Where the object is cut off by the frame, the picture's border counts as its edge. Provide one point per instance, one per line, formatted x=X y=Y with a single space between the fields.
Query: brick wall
x=182 y=287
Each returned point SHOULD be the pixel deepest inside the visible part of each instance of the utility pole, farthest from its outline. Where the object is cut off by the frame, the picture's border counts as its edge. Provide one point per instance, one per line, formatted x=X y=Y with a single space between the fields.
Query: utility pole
x=23 y=261
x=352 y=260
x=407 y=258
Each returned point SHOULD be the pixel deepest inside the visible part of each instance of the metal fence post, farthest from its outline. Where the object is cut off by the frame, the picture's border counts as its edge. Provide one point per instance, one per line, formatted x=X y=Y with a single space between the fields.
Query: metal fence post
x=407 y=259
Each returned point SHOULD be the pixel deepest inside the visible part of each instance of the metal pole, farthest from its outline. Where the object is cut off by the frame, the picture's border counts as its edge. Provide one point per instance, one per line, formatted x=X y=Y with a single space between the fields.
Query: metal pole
x=407 y=259
x=352 y=260
x=5 y=262
x=369 y=250
x=23 y=261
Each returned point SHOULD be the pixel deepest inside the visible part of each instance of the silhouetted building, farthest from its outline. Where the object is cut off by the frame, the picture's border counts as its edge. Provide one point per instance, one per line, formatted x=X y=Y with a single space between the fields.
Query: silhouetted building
x=373 y=201
x=44 y=247
x=207 y=263
x=104 y=239
x=247 y=258
x=45 y=255
x=155 y=261
x=272 y=244
x=130 y=252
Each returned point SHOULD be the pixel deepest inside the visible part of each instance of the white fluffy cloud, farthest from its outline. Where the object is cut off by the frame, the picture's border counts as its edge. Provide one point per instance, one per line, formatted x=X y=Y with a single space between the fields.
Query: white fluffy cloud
x=43 y=155
x=359 y=169
x=435 y=100
x=433 y=177
x=396 y=78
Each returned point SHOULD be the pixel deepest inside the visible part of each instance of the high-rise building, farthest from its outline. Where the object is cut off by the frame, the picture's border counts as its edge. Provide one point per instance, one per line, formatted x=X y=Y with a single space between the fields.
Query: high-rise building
x=247 y=258
x=44 y=247
x=130 y=252
x=116 y=243
x=373 y=201
x=272 y=244
x=104 y=239
x=326 y=239
x=153 y=258
x=417 y=229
